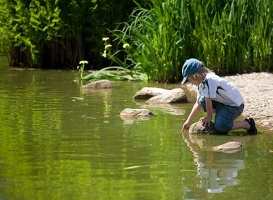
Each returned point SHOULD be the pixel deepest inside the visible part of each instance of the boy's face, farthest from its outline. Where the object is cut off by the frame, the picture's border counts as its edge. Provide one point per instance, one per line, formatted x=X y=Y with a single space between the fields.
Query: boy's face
x=193 y=80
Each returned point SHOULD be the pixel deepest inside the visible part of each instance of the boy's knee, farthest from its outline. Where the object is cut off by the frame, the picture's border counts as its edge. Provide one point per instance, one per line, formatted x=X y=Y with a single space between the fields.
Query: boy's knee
x=222 y=127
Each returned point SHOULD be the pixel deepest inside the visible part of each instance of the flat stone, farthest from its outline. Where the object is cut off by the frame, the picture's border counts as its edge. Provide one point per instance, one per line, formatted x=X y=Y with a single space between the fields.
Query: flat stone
x=148 y=92
x=98 y=84
x=159 y=95
x=136 y=113
x=229 y=147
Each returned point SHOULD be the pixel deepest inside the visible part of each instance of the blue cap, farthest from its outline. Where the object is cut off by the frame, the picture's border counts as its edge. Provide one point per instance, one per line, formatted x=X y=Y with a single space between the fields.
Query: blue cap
x=190 y=66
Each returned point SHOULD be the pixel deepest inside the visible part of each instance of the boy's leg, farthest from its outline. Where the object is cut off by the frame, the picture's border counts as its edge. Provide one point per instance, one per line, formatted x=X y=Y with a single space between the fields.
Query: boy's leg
x=248 y=124
x=240 y=125
x=224 y=117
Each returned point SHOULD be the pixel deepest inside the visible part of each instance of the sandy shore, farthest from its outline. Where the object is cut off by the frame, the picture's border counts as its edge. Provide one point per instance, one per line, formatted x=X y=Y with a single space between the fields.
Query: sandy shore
x=257 y=90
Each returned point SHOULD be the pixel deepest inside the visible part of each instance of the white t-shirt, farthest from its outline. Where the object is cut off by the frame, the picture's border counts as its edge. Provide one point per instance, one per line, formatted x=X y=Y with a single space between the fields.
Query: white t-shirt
x=220 y=90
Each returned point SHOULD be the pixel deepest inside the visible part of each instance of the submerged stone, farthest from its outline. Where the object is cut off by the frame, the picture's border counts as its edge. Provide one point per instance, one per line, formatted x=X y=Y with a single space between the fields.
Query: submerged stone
x=98 y=84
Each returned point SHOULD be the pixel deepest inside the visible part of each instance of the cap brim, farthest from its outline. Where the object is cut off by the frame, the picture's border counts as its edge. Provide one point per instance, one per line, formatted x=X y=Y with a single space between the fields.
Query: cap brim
x=185 y=80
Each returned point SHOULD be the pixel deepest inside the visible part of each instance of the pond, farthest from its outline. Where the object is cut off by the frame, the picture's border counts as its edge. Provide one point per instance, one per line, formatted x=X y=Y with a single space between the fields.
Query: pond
x=59 y=142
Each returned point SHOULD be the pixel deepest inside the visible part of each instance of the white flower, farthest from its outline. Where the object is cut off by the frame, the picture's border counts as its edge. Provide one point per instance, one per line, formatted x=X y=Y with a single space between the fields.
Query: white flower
x=82 y=62
x=126 y=45
x=108 y=46
x=104 y=54
x=105 y=39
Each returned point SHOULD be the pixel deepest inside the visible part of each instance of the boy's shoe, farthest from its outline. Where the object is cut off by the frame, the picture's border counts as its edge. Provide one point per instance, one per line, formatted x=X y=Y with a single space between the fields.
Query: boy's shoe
x=252 y=130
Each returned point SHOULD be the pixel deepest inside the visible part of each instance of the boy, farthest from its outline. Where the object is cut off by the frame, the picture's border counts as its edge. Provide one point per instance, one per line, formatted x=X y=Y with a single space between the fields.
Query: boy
x=216 y=96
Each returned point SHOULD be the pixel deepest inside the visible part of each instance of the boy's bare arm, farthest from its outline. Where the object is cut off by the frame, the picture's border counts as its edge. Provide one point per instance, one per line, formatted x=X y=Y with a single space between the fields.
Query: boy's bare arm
x=206 y=120
x=195 y=109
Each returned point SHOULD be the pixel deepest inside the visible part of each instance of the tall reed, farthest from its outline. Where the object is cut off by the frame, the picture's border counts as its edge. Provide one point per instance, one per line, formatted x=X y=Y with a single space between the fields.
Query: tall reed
x=237 y=37
x=231 y=36
x=156 y=37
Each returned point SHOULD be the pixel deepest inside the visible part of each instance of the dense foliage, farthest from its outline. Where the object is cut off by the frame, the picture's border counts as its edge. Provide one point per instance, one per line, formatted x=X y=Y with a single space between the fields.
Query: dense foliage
x=58 y=34
x=230 y=36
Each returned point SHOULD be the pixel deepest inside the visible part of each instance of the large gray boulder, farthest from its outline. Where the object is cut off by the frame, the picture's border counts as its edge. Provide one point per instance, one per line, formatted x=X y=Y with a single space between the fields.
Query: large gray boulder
x=98 y=84
x=198 y=128
x=159 y=95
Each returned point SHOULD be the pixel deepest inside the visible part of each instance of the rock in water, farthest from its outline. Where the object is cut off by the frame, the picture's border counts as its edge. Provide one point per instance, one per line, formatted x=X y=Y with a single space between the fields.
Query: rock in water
x=198 y=128
x=229 y=147
x=159 y=95
x=136 y=113
x=98 y=84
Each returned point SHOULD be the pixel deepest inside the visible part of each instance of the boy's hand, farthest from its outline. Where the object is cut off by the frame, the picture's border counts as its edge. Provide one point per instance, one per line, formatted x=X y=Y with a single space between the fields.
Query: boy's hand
x=186 y=126
x=205 y=121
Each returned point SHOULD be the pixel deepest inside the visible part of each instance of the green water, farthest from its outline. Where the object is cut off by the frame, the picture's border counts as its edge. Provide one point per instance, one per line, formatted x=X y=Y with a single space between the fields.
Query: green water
x=59 y=142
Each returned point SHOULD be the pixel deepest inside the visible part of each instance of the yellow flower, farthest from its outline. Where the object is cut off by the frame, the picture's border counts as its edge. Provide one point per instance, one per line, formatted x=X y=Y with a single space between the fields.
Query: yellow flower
x=105 y=39
x=82 y=62
x=126 y=46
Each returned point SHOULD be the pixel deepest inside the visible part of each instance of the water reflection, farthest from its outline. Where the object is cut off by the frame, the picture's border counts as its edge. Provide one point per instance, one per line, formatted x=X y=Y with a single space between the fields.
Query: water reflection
x=59 y=142
x=215 y=170
x=174 y=109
